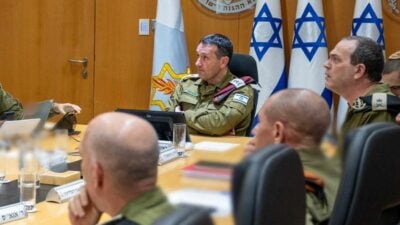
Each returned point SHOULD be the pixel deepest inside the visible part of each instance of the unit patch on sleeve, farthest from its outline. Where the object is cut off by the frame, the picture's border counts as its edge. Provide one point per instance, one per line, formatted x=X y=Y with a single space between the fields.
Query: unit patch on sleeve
x=240 y=98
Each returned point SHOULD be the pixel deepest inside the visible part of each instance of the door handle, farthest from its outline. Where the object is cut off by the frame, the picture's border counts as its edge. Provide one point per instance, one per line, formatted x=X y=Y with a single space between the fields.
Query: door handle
x=84 y=63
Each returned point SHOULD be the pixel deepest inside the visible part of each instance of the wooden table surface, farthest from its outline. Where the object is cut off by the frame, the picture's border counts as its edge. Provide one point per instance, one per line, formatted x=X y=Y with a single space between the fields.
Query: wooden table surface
x=170 y=179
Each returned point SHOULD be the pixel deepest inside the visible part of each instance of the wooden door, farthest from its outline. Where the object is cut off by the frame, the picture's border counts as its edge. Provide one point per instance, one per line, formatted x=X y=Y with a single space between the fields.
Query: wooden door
x=123 y=58
x=37 y=39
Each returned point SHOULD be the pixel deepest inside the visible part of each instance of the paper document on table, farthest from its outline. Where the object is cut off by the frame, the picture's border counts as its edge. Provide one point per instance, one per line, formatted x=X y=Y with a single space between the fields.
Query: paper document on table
x=214 y=146
x=219 y=201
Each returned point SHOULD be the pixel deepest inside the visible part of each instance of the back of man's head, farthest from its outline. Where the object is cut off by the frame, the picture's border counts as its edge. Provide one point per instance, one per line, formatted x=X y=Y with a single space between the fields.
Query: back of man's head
x=304 y=113
x=369 y=53
x=126 y=146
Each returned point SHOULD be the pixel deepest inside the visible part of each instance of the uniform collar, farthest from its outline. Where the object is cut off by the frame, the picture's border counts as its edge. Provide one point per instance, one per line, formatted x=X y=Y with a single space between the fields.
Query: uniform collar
x=144 y=201
x=228 y=77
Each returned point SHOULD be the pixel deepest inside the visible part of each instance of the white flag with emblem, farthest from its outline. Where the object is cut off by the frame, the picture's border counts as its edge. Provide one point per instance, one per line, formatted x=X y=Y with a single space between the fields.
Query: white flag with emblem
x=367 y=22
x=309 y=49
x=170 y=58
x=267 y=48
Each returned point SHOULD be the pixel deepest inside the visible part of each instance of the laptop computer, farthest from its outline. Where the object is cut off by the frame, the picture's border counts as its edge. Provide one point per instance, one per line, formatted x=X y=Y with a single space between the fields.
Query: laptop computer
x=163 y=124
x=12 y=128
x=162 y=121
x=39 y=110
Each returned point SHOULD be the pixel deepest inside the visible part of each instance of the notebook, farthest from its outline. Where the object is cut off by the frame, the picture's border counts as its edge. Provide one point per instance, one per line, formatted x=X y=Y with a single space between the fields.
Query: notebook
x=18 y=127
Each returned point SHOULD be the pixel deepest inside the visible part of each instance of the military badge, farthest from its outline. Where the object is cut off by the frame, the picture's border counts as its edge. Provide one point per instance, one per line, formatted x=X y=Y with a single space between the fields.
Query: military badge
x=358 y=104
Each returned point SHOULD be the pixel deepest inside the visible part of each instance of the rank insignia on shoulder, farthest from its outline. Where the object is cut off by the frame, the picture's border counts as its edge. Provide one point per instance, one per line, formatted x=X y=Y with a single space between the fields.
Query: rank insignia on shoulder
x=379 y=101
x=237 y=82
x=190 y=76
x=358 y=104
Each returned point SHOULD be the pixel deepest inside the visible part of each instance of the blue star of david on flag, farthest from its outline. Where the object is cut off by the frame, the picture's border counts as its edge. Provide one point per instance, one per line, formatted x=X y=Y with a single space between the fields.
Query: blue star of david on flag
x=261 y=46
x=369 y=16
x=309 y=48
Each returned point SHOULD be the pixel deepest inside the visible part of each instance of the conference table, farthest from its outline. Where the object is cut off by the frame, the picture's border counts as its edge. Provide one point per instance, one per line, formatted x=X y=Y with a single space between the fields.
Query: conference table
x=170 y=178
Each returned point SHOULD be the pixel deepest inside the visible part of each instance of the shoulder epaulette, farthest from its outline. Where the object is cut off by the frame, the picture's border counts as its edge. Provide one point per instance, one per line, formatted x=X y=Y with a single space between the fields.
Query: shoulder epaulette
x=191 y=77
x=378 y=102
x=230 y=87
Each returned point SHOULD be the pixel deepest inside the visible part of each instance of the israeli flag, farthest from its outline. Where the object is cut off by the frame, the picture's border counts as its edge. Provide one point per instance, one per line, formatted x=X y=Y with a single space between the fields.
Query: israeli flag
x=367 y=22
x=309 y=49
x=266 y=47
x=170 y=57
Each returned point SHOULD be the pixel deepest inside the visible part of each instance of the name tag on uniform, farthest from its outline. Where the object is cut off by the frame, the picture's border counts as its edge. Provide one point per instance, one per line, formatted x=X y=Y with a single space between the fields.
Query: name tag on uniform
x=12 y=212
x=240 y=98
x=237 y=82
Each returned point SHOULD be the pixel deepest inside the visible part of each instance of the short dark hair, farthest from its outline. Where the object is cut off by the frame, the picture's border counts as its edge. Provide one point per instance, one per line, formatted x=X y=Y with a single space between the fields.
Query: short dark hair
x=392 y=64
x=369 y=53
x=223 y=43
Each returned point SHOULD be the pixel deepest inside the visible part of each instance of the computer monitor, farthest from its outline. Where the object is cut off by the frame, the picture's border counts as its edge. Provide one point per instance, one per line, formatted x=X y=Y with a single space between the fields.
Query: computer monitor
x=162 y=121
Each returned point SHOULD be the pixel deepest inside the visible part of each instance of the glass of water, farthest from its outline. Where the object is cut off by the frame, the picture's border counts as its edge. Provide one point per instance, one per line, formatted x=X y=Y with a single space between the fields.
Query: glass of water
x=179 y=138
x=3 y=162
x=27 y=187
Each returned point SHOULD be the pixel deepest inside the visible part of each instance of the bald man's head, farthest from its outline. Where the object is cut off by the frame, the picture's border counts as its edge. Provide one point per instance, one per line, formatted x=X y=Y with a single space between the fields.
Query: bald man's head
x=303 y=114
x=124 y=145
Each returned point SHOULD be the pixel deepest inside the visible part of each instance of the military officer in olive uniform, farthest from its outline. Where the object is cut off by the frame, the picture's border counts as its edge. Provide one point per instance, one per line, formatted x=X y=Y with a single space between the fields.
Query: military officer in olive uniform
x=354 y=70
x=120 y=174
x=194 y=94
x=300 y=118
x=9 y=104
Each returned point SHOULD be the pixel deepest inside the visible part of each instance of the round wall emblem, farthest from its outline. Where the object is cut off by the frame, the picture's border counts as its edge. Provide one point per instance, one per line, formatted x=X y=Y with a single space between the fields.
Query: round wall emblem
x=227 y=6
x=392 y=9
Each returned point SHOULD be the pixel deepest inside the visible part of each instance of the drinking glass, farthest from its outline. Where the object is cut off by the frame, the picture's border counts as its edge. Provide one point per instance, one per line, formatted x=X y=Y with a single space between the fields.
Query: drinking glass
x=3 y=165
x=61 y=140
x=27 y=181
x=179 y=138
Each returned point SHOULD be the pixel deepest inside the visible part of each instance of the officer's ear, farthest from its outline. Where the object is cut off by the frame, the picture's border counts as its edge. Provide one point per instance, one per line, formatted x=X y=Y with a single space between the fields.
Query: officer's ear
x=278 y=132
x=224 y=61
x=98 y=175
x=359 y=71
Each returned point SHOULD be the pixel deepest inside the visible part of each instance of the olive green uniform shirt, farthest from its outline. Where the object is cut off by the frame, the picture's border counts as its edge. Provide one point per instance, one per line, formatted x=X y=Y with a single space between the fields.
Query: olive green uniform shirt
x=147 y=208
x=9 y=103
x=329 y=170
x=356 y=118
x=194 y=96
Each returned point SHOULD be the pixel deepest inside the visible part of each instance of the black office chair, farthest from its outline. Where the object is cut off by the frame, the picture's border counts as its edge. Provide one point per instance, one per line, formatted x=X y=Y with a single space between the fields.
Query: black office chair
x=369 y=192
x=187 y=215
x=245 y=65
x=268 y=188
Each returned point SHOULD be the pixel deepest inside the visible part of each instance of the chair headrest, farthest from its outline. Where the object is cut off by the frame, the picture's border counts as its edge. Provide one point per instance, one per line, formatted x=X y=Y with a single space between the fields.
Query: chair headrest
x=243 y=65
